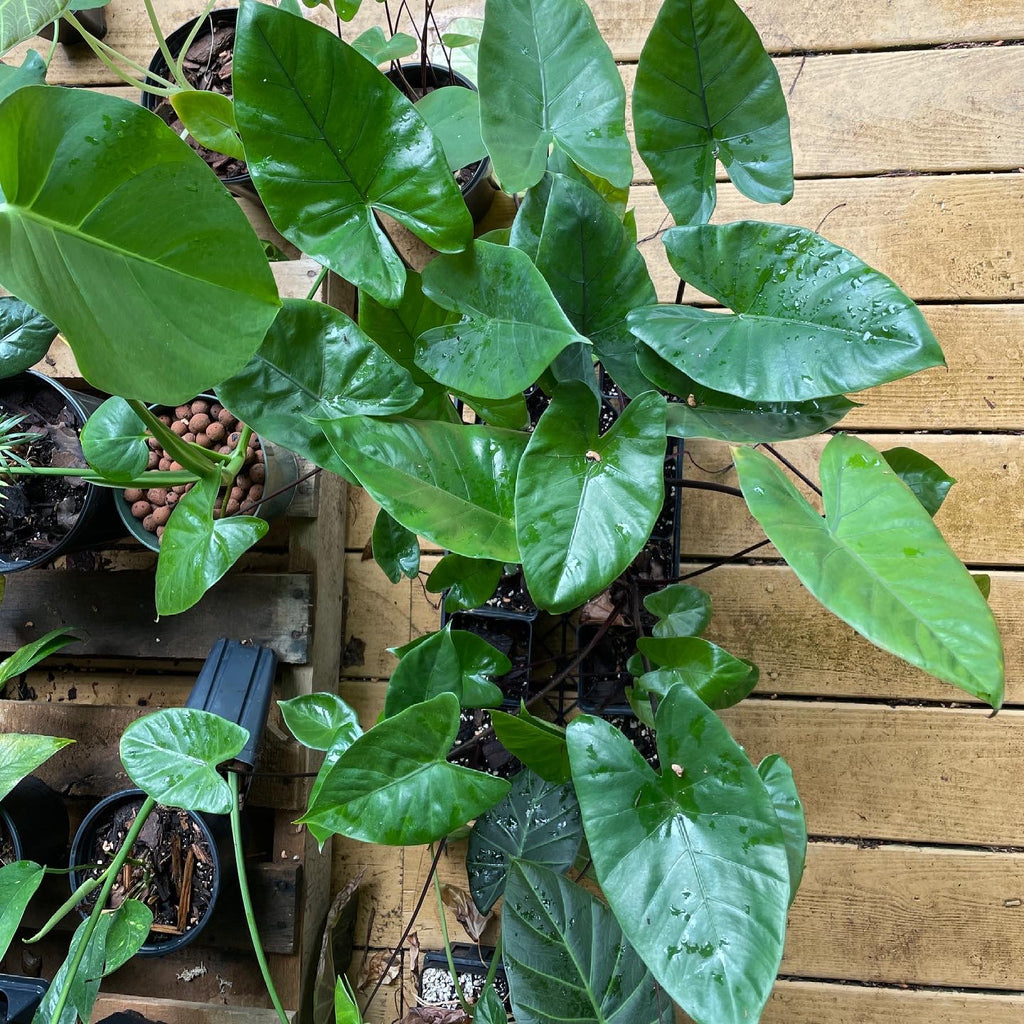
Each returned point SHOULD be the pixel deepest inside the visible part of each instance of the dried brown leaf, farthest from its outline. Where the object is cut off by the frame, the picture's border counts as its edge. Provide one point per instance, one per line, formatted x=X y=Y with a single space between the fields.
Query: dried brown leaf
x=434 y=1015
x=459 y=901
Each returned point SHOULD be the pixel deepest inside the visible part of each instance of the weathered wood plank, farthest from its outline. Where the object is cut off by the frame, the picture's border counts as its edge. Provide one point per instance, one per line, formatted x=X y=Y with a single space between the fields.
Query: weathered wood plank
x=764 y=613
x=377 y=616
x=981 y=517
x=116 y=611
x=176 y=1011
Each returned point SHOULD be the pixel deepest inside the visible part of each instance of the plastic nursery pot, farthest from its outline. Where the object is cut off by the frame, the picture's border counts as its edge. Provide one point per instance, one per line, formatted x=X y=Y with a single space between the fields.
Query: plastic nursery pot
x=20 y=998
x=478 y=187
x=281 y=469
x=206 y=839
x=510 y=633
x=471 y=966
x=232 y=172
x=34 y=821
x=90 y=518
x=93 y=21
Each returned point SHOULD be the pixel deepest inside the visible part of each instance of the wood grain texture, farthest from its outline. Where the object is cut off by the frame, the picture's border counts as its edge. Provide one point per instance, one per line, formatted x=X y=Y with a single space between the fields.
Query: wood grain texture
x=377 y=616
x=981 y=519
x=175 y=1011
x=763 y=613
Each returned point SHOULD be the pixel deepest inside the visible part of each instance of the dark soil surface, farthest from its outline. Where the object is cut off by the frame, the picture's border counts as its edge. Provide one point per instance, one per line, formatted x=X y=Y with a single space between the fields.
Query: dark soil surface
x=511 y=595
x=207 y=65
x=171 y=868
x=603 y=675
x=38 y=512
x=487 y=754
x=6 y=846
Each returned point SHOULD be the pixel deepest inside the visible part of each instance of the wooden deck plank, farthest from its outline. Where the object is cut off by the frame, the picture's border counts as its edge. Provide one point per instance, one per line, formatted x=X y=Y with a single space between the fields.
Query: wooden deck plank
x=174 y=1011
x=981 y=519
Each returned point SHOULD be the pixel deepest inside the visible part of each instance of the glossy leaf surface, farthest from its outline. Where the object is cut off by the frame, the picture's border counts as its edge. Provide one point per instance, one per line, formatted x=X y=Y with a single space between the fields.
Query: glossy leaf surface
x=173 y=755
x=395 y=549
x=114 y=441
x=324 y=167
x=682 y=610
x=22 y=19
x=379 y=49
x=569 y=478
x=718 y=678
x=778 y=779
x=595 y=271
x=21 y=754
x=85 y=985
x=127 y=934
x=929 y=482
x=197 y=550
x=810 y=319
x=547 y=920
x=91 y=235
x=510 y=328
x=25 y=336
x=877 y=561
x=448 y=661
x=18 y=882
x=453 y=113
x=210 y=119
x=489 y=1008
x=692 y=860
x=394 y=785
x=546 y=75
x=538 y=743
x=34 y=652
x=706 y=89
x=320 y=720
x=453 y=484
x=31 y=72
x=469 y=581
x=537 y=822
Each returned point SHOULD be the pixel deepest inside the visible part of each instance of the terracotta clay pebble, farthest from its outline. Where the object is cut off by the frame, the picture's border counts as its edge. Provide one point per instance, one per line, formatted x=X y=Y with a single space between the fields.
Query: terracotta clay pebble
x=182 y=412
x=255 y=492
x=157 y=495
x=154 y=460
x=203 y=440
x=199 y=422
x=188 y=437
x=257 y=473
x=172 y=498
x=159 y=532
x=233 y=438
x=180 y=489
x=243 y=481
x=216 y=432
x=237 y=494
x=200 y=405
x=215 y=409
x=159 y=516
x=165 y=419
x=132 y=495
x=176 y=466
x=141 y=509
x=179 y=427
x=149 y=523
x=165 y=464
x=233 y=507
x=226 y=418
x=259 y=454
x=154 y=444
x=250 y=456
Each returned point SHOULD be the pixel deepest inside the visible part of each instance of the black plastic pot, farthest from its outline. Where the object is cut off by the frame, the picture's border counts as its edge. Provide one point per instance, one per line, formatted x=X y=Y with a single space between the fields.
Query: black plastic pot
x=20 y=998
x=511 y=634
x=93 y=21
x=471 y=966
x=97 y=522
x=237 y=184
x=36 y=821
x=479 y=191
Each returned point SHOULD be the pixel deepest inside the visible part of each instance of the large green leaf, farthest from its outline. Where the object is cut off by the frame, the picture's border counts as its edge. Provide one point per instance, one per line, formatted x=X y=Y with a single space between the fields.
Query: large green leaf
x=395 y=549
x=704 y=412
x=538 y=743
x=378 y=49
x=448 y=661
x=114 y=441
x=323 y=166
x=320 y=720
x=31 y=72
x=692 y=860
x=470 y=582
x=706 y=89
x=810 y=319
x=546 y=75
x=585 y=505
x=929 y=482
x=85 y=984
x=451 y=483
x=155 y=304
x=778 y=779
x=453 y=113
x=394 y=785
x=21 y=754
x=173 y=755
x=25 y=336
x=35 y=651
x=196 y=550
x=595 y=271
x=566 y=957
x=18 y=882
x=210 y=119
x=315 y=362
x=511 y=326
x=878 y=562
x=22 y=19
x=682 y=610
x=537 y=822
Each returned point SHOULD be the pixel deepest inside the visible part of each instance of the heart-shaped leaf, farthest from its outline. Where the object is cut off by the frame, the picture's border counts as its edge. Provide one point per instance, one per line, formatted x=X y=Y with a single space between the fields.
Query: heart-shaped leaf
x=22 y=19
x=197 y=550
x=546 y=75
x=469 y=581
x=320 y=720
x=538 y=822
x=489 y=1008
x=31 y=72
x=511 y=326
x=210 y=119
x=25 y=336
x=453 y=113
x=34 y=652
x=719 y=679
x=395 y=549
x=452 y=484
x=706 y=89
x=378 y=49
x=92 y=235
x=448 y=661
x=569 y=478
x=682 y=610
x=878 y=562
x=692 y=860
x=323 y=168
x=21 y=754
x=778 y=780
x=394 y=785
x=127 y=934
x=18 y=882
x=114 y=441
x=547 y=920
x=538 y=743
x=929 y=482
x=595 y=271
x=173 y=755
x=810 y=319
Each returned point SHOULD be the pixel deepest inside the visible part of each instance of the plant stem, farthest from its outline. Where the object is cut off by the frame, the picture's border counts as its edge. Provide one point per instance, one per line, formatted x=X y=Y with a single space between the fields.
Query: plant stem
x=53 y=44
x=113 y=870
x=177 y=68
x=243 y=888
x=158 y=33
x=492 y=969
x=68 y=905
x=101 y=50
x=153 y=478
x=707 y=485
x=178 y=450
x=789 y=465
x=316 y=284
x=463 y=1001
